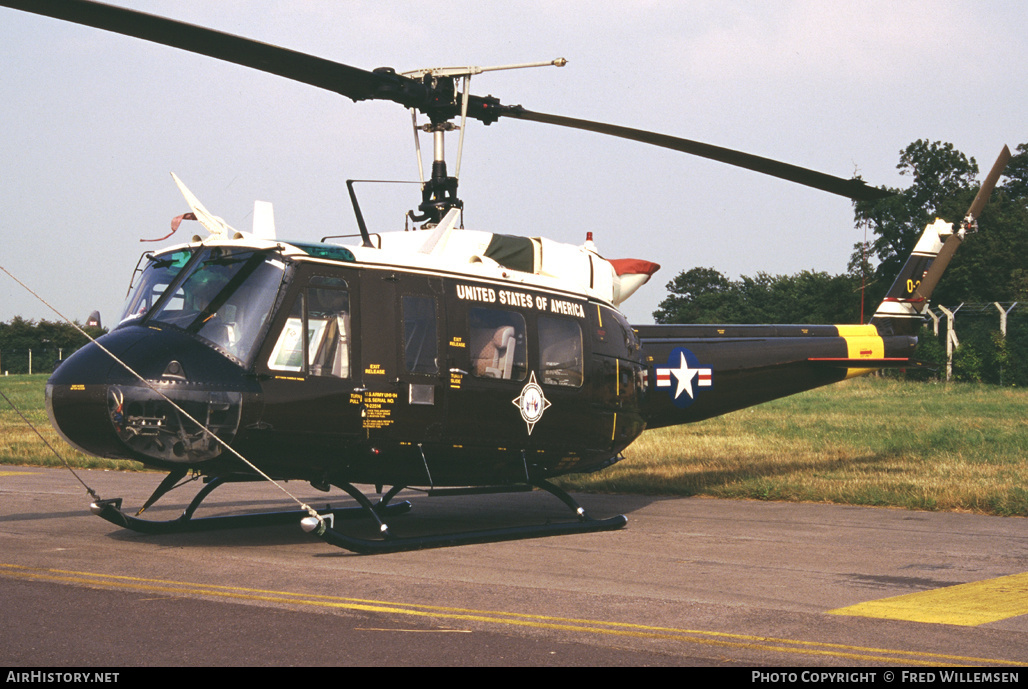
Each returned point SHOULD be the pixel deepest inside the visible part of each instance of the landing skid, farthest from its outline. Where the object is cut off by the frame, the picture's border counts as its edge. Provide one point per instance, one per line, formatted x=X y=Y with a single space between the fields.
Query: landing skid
x=185 y=523
x=325 y=527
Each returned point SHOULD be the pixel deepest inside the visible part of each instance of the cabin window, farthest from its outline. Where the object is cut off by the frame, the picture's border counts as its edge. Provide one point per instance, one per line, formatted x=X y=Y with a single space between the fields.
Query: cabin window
x=560 y=349
x=288 y=352
x=497 y=344
x=420 y=346
x=318 y=323
x=328 y=327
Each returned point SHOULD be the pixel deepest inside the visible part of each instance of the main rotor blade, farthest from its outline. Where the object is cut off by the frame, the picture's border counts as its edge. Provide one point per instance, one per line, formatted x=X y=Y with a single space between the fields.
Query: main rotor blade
x=352 y=82
x=385 y=84
x=850 y=188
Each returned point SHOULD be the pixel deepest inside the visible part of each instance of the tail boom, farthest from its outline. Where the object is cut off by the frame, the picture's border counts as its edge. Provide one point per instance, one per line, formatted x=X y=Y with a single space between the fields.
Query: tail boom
x=700 y=371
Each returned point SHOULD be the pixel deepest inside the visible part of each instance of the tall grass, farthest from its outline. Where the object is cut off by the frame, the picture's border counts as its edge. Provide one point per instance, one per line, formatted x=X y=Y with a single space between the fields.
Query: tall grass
x=869 y=441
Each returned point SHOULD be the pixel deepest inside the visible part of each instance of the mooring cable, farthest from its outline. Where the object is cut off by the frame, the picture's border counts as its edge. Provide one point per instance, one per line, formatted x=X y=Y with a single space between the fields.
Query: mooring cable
x=45 y=442
x=310 y=510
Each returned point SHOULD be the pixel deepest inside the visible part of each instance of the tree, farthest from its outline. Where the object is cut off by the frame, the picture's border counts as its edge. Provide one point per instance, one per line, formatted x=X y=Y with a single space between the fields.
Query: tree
x=942 y=181
x=696 y=296
x=990 y=263
x=703 y=295
x=48 y=341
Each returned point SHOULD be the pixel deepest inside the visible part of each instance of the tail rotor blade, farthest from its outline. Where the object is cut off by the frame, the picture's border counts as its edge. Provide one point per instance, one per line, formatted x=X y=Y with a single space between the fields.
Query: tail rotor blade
x=938 y=266
x=989 y=184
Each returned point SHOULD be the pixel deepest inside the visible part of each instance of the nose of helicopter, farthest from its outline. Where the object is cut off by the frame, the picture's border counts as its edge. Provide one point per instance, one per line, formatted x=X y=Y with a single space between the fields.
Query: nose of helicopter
x=103 y=409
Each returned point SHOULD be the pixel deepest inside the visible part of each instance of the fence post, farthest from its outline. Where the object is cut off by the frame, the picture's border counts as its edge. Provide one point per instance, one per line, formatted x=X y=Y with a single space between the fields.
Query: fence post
x=1003 y=329
x=1003 y=316
x=951 y=339
x=935 y=321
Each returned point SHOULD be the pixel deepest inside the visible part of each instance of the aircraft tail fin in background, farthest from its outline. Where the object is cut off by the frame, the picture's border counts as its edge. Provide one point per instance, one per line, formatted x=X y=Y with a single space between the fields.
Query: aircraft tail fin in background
x=902 y=311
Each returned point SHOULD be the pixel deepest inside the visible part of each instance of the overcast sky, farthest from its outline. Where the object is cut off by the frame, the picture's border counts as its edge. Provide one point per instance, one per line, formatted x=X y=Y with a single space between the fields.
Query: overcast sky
x=92 y=123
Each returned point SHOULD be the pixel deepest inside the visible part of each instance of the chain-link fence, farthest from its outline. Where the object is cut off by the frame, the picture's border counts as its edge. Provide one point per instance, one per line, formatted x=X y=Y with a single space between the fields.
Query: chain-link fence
x=982 y=342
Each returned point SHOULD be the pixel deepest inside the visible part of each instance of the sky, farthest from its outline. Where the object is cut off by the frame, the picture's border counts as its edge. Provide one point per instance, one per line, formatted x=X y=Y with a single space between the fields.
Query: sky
x=93 y=123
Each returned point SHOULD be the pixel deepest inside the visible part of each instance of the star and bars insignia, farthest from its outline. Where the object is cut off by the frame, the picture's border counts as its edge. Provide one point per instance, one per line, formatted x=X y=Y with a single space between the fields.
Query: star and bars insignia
x=683 y=377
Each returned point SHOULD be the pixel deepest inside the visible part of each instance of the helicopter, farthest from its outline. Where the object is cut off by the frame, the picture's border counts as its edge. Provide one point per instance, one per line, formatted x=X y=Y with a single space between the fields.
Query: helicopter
x=446 y=359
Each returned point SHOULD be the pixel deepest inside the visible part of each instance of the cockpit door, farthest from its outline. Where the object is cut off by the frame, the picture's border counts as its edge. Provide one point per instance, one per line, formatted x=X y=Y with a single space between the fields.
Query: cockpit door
x=307 y=364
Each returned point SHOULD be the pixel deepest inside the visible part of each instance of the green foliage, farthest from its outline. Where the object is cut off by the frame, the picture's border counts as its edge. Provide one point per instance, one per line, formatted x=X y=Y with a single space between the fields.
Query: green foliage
x=984 y=355
x=697 y=295
x=703 y=295
x=967 y=364
x=932 y=351
x=47 y=340
x=990 y=265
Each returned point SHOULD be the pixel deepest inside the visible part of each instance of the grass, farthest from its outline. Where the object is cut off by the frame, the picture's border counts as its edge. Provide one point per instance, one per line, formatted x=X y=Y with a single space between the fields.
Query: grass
x=868 y=441
x=19 y=444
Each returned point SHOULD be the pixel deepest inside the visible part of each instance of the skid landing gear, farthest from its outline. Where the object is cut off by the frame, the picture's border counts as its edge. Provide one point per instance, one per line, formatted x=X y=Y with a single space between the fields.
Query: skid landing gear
x=185 y=523
x=324 y=528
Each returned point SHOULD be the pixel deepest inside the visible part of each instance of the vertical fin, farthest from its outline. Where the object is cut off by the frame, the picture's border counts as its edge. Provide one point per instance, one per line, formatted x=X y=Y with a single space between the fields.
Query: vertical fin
x=902 y=310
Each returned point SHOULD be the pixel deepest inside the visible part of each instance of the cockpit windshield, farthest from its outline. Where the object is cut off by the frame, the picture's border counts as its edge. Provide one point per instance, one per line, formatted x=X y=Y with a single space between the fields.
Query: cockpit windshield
x=159 y=272
x=224 y=295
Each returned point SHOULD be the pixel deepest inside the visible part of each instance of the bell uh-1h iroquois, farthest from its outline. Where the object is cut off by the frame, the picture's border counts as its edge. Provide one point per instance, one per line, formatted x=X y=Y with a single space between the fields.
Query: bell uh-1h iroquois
x=447 y=359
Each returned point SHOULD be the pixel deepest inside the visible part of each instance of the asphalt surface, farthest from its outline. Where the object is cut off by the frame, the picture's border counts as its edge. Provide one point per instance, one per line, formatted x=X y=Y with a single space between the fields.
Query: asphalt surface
x=690 y=581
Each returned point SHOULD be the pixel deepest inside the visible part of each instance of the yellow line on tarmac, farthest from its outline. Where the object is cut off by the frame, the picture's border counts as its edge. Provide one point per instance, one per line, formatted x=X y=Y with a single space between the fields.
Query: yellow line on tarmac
x=598 y=627
x=16 y=473
x=967 y=605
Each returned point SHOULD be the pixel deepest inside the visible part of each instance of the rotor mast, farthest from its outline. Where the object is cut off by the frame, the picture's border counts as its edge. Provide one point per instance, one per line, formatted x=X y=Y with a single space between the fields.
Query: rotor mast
x=439 y=193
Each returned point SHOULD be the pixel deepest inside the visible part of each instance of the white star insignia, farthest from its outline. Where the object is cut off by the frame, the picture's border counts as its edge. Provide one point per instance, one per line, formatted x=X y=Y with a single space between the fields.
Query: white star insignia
x=685 y=376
